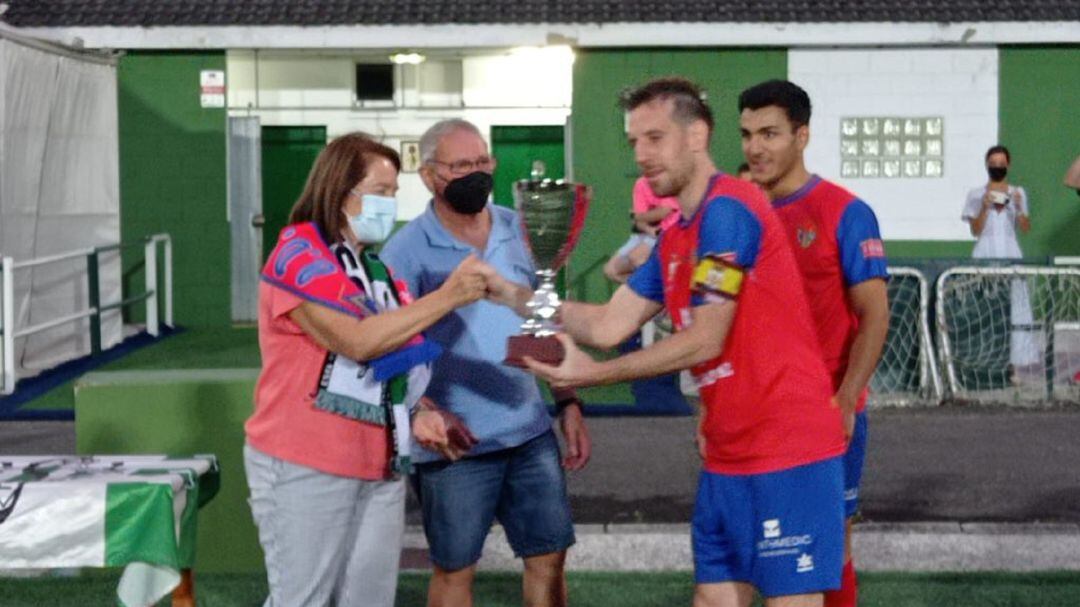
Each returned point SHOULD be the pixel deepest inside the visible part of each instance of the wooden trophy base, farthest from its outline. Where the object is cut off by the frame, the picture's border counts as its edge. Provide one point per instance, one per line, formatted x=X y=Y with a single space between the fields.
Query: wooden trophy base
x=548 y=350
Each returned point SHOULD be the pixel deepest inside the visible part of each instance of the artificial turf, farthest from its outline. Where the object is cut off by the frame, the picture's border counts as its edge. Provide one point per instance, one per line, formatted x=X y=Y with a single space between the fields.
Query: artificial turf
x=98 y=588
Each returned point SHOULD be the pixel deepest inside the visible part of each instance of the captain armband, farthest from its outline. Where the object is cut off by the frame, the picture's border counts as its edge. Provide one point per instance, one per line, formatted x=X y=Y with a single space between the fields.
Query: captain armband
x=715 y=275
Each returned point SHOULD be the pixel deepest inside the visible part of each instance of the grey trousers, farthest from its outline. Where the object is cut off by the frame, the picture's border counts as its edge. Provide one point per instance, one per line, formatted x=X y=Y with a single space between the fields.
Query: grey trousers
x=328 y=540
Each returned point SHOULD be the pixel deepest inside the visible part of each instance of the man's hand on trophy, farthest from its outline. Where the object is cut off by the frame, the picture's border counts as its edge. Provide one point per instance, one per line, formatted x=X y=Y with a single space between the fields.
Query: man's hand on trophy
x=468 y=282
x=576 y=370
x=508 y=293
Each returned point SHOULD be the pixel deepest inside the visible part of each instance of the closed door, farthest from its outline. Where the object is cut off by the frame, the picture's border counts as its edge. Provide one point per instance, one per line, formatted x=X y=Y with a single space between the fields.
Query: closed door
x=516 y=147
x=287 y=155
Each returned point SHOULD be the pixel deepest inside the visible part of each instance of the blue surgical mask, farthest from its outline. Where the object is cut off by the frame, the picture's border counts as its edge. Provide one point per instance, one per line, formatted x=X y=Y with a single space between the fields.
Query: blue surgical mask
x=376 y=219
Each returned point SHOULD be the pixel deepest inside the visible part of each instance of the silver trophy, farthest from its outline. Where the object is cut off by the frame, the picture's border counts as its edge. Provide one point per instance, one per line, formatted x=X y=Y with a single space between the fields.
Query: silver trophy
x=552 y=214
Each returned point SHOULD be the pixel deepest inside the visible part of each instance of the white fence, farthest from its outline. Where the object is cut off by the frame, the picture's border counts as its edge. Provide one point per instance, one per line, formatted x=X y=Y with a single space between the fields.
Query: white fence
x=9 y=332
x=1010 y=335
x=908 y=371
x=1003 y=335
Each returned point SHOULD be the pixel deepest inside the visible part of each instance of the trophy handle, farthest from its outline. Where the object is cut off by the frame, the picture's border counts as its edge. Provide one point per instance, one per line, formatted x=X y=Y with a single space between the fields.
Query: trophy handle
x=582 y=198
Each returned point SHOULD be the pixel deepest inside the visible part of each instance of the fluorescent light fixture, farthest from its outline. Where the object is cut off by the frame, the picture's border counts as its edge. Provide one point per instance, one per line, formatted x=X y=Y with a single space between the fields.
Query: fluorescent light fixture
x=409 y=58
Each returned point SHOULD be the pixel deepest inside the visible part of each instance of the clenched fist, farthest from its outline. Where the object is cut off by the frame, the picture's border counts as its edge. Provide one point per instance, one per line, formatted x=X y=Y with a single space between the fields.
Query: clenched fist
x=468 y=282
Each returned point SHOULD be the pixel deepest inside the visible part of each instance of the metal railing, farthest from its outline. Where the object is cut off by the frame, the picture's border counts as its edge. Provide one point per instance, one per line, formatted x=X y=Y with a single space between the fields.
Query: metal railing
x=8 y=266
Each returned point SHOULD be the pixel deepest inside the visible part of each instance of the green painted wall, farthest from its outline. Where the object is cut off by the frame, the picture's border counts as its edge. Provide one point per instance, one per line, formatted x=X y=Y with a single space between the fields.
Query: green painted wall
x=601 y=157
x=173 y=178
x=1039 y=118
x=899 y=249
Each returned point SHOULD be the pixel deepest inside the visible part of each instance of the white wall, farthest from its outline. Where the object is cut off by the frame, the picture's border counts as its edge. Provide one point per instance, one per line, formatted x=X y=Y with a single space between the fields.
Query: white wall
x=960 y=85
x=298 y=88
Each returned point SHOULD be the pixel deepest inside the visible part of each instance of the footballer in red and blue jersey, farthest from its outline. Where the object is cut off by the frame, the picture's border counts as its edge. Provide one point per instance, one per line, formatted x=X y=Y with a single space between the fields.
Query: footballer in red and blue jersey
x=769 y=508
x=841 y=258
x=837 y=245
x=768 y=394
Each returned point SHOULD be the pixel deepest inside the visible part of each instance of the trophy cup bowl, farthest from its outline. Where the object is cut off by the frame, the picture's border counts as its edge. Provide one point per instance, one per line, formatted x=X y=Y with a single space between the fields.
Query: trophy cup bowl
x=552 y=214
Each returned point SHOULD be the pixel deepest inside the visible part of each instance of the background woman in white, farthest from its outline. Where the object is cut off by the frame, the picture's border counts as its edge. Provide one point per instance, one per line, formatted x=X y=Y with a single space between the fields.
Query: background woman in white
x=995 y=211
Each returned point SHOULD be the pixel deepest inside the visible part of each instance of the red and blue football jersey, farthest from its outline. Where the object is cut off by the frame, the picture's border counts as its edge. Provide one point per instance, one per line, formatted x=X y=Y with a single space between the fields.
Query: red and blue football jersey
x=767 y=396
x=837 y=245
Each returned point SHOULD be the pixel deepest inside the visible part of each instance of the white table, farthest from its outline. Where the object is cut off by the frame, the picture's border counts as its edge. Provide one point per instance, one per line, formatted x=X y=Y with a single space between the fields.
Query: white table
x=138 y=512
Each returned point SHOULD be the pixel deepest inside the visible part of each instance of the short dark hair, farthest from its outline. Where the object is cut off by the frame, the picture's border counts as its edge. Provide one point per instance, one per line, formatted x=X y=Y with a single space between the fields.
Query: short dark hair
x=784 y=94
x=998 y=149
x=688 y=99
x=742 y=168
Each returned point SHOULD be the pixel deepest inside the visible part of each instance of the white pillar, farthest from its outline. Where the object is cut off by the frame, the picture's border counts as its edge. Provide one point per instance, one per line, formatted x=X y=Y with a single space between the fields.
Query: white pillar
x=7 y=305
x=150 y=260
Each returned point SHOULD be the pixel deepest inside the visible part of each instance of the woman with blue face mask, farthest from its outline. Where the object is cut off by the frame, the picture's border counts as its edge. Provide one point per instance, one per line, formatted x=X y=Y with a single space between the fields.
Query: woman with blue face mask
x=338 y=399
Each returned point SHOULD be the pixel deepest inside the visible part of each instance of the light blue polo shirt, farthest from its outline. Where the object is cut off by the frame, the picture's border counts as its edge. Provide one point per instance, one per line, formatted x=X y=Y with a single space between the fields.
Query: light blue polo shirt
x=500 y=404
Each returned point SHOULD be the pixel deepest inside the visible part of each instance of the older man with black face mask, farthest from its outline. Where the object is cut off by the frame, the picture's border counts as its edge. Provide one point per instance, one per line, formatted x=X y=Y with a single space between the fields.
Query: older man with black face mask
x=507 y=462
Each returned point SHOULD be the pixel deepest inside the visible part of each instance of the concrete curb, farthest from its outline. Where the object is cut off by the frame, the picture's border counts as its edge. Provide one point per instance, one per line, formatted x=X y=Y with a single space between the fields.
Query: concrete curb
x=911 y=547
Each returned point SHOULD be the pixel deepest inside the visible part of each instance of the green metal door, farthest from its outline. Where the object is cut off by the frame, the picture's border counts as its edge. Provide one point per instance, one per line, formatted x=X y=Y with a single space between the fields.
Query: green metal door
x=516 y=147
x=287 y=155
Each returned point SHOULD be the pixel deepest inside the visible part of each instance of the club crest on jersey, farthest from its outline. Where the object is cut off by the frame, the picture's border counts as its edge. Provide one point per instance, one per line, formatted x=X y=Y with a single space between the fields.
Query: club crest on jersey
x=806 y=236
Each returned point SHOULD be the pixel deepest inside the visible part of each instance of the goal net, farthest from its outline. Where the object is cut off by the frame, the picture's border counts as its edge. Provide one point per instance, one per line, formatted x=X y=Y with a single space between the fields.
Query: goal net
x=1010 y=335
x=907 y=373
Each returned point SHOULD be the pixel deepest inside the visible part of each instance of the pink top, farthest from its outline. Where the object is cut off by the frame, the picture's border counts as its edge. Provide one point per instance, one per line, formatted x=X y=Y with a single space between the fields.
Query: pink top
x=645 y=200
x=286 y=423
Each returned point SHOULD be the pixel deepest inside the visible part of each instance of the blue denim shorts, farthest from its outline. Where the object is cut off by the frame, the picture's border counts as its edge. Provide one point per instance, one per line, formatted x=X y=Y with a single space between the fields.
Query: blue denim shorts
x=523 y=488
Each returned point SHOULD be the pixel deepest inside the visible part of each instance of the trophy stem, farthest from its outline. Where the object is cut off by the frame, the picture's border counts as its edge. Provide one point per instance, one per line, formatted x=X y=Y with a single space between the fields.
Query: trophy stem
x=544 y=307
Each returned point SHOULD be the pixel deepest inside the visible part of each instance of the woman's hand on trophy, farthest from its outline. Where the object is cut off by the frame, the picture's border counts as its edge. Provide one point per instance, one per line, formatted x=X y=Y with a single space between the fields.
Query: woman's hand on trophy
x=576 y=370
x=438 y=430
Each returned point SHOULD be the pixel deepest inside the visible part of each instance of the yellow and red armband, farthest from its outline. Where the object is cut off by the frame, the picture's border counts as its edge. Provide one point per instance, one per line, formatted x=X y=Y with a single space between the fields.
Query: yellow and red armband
x=717 y=276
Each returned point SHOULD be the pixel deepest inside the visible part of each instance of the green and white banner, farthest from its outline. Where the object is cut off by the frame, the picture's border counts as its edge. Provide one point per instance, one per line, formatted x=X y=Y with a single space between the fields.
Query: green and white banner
x=137 y=512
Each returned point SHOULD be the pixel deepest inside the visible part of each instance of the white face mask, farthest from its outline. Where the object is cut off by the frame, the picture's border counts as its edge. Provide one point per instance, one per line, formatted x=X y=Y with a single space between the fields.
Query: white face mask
x=376 y=219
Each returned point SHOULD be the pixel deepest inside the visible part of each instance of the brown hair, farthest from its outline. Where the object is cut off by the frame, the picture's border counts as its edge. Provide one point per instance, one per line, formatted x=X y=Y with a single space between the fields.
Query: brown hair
x=340 y=166
x=687 y=97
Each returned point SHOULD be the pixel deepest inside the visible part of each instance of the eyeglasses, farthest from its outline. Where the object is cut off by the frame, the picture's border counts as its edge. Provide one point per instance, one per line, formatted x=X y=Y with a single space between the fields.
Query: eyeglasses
x=464 y=167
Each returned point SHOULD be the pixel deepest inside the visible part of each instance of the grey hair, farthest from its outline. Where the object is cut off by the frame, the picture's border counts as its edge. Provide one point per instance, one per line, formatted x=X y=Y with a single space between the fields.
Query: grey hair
x=431 y=137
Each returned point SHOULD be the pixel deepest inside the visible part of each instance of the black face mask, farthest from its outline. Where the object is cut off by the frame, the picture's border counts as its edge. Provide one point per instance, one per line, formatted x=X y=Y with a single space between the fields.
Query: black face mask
x=469 y=194
x=997 y=173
